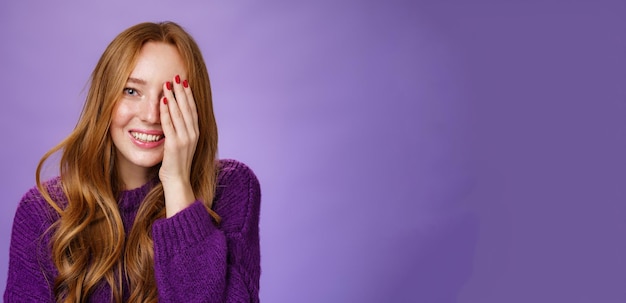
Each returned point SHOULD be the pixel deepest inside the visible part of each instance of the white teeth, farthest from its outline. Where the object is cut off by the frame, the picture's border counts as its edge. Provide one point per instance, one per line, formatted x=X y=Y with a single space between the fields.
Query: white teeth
x=146 y=137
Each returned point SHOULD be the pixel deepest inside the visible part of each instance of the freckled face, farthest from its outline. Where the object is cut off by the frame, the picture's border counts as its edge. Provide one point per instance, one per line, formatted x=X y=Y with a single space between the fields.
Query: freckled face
x=136 y=123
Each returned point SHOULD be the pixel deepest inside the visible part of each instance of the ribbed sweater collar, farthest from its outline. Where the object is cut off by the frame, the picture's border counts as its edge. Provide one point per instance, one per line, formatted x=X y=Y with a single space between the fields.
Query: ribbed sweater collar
x=131 y=199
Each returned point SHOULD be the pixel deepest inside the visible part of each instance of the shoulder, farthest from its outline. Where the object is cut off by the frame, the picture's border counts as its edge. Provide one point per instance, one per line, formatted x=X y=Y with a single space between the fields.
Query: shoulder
x=230 y=169
x=237 y=196
x=33 y=207
x=53 y=187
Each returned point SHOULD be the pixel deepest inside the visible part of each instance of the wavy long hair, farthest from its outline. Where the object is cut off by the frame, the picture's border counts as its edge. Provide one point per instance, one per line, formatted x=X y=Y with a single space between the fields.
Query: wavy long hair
x=89 y=245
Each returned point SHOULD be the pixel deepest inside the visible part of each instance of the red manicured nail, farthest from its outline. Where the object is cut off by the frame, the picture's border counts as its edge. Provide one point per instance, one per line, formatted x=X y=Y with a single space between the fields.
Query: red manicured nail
x=164 y=100
x=168 y=85
x=185 y=84
x=177 y=78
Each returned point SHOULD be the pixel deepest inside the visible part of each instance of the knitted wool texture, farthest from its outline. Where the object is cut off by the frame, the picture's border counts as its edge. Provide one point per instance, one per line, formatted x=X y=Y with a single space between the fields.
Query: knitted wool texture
x=194 y=260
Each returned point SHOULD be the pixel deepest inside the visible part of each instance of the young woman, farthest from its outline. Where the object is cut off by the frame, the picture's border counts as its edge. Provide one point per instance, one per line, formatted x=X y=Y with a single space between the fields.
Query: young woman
x=142 y=210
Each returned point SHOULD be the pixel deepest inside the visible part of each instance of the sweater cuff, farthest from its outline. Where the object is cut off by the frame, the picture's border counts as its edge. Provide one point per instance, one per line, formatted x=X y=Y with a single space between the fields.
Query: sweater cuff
x=186 y=228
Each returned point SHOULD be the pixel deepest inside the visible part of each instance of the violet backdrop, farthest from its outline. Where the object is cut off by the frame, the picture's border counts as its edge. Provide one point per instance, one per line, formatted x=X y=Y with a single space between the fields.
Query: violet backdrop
x=408 y=151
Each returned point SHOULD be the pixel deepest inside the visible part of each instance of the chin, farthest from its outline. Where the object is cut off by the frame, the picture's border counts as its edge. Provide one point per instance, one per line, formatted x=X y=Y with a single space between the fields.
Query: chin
x=147 y=162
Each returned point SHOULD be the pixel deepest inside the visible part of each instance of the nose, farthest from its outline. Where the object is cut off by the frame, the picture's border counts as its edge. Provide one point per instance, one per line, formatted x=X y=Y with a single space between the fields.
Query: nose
x=151 y=112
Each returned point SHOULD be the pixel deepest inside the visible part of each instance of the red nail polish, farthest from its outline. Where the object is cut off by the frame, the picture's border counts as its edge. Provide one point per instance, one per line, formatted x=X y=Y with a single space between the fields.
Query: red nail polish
x=168 y=85
x=177 y=78
x=185 y=84
x=165 y=100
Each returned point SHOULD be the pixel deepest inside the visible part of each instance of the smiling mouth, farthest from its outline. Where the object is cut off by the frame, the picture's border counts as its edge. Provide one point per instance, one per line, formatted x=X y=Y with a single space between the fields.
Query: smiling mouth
x=147 y=137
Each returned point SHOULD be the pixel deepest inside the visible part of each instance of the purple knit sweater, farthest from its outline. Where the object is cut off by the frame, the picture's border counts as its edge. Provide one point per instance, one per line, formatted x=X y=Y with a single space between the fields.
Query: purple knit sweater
x=194 y=260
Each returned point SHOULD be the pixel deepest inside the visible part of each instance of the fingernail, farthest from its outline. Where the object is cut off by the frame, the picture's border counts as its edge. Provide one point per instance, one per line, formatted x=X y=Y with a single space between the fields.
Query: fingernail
x=168 y=84
x=177 y=78
x=165 y=100
x=185 y=84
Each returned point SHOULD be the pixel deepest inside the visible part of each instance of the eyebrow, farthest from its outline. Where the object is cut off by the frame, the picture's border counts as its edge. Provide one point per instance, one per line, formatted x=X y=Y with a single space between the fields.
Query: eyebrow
x=137 y=81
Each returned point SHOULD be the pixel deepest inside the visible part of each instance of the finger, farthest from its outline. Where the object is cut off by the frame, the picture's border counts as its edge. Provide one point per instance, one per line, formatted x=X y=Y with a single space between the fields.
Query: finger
x=166 y=121
x=176 y=117
x=192 y=104
x=183 y=104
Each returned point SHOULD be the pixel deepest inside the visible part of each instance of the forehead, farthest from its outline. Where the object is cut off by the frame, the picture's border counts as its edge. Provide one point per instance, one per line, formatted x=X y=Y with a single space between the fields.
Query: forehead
x=158 y=62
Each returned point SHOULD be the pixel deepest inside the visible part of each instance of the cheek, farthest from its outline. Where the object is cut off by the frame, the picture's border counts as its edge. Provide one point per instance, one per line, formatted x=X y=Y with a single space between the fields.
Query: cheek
x=120 y=118
x=122 y=114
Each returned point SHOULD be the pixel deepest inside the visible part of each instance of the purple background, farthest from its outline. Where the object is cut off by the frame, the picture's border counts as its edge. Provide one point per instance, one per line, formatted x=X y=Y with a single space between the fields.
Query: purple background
x=408 y=151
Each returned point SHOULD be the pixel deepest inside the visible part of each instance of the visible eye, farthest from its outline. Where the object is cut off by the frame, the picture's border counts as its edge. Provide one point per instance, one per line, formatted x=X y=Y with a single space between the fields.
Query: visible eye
x=130 y=91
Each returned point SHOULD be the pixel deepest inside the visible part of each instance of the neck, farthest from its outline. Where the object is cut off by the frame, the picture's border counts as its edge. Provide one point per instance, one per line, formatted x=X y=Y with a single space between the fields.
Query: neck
x=133 y=178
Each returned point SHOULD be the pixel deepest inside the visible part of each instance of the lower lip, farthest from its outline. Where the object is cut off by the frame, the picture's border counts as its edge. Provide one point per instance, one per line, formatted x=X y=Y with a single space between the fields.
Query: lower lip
x=146 y=145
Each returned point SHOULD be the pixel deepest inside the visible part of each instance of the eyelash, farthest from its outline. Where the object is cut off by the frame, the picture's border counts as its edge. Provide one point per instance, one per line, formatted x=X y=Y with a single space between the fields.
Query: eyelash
x=130 y=91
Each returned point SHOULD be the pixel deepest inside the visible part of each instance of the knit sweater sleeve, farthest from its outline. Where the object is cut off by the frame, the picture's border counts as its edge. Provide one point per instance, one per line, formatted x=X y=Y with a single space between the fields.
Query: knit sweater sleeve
x=31 y=272
x=197 y=261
